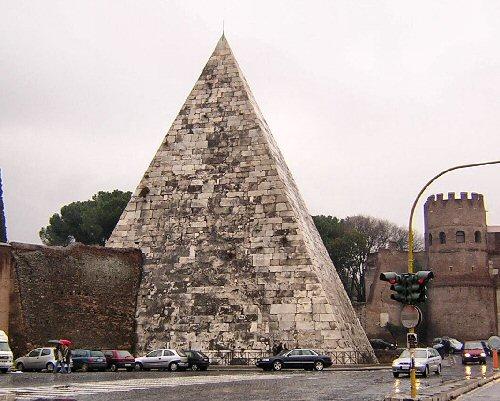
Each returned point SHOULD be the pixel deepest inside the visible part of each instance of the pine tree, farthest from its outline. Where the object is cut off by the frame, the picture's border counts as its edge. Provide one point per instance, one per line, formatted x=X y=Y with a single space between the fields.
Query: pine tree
x=3 y=228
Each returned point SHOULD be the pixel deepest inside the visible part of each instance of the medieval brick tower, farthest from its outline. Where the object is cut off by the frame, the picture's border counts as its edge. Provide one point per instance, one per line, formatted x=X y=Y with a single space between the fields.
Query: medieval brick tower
x=462 y=296
x=232 y=257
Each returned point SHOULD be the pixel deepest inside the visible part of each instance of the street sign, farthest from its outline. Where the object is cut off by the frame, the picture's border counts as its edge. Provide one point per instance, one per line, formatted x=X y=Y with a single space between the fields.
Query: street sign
x=411 y=316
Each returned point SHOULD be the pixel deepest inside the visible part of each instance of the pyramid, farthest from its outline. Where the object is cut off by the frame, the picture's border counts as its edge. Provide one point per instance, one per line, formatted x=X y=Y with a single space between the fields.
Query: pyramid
x=232 y=257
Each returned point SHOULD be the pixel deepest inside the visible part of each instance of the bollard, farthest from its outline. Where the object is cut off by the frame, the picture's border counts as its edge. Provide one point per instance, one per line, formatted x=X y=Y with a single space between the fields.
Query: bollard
x=495 y=359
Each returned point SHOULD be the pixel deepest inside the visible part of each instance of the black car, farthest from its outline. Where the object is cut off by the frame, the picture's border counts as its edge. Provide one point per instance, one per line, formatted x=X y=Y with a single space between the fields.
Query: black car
x=378 y=343
x=295 y=359
x=86 y=360
x=197 y=360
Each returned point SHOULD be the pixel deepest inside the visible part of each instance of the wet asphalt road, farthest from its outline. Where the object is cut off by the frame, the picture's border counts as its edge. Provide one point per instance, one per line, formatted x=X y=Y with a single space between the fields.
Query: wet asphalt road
x=230 y=385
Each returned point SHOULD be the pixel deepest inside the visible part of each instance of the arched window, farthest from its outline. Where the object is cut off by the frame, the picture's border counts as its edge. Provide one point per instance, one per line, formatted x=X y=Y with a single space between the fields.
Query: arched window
x=442 y=238
x=477 y=236
x=460 y=237
x=430 y=239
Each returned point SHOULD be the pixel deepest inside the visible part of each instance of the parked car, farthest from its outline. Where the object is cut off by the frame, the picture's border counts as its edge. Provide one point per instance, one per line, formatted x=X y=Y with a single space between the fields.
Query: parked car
x=473 y=352
x=119 y=359
x=37 y=360
x=197 y=360
x=162 y=359
x=427 y=360
x=87 y=360
x=295 y=359
x=378 y=343
x=6 y=356
x=447 y=345
x=456 y=345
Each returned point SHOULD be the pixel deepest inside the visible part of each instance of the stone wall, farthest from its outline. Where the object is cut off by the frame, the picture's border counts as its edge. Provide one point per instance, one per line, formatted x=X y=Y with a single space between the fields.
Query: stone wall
x=85 y=293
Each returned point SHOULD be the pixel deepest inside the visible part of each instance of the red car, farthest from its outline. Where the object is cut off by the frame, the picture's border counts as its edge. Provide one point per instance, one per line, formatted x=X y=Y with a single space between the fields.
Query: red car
x=119 y=359
x=473 y=352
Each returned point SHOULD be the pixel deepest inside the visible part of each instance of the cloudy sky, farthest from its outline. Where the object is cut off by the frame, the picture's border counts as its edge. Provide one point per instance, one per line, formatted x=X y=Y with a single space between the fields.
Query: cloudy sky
x=366 y=99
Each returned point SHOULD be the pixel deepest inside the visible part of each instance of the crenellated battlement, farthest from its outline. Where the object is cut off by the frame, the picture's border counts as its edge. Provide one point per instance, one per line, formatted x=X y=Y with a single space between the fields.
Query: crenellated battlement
x=464 y=199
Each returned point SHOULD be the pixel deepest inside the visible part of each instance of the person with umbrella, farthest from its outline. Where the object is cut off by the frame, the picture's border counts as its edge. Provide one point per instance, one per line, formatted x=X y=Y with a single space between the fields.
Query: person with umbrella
x=66 y=355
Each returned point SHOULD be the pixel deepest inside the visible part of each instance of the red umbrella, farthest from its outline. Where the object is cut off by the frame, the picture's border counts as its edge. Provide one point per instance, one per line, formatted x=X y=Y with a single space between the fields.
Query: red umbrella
x=67 y=343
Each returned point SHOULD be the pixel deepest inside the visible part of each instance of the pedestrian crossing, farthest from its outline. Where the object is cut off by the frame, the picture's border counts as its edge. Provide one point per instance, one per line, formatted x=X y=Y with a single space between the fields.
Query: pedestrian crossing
x=73 y=390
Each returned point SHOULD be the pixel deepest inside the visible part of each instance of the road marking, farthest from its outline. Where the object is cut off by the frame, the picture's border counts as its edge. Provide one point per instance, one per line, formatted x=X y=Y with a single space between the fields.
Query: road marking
x=75 y=389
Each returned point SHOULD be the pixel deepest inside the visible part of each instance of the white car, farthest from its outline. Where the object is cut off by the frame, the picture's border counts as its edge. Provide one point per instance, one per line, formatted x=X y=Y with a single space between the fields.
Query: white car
x=427 y=360
x=38 y=359
x=6 y=356
x=162 y=359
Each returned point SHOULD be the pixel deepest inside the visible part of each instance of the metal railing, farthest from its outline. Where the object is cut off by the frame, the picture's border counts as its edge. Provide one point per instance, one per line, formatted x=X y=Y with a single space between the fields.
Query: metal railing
x=233 y=357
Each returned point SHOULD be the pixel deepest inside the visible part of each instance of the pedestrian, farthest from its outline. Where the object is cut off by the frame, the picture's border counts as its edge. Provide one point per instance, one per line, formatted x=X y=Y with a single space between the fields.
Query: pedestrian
x=279 y=348
x=59 y=358
x=67 y=359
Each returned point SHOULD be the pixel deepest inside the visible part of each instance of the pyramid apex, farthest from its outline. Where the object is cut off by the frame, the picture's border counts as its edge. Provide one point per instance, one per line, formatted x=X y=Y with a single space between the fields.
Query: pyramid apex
x=222 y=45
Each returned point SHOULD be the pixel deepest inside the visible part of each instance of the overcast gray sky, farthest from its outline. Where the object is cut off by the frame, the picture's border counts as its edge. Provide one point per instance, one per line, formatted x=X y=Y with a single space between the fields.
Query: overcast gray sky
x=366 y=99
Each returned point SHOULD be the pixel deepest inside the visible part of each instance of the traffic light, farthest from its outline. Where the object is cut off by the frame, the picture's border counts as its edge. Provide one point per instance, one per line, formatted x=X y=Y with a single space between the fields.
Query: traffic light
x=391 y=277
x=411 y=340
x=422 y=278
x=398 y=282
x=410 y=288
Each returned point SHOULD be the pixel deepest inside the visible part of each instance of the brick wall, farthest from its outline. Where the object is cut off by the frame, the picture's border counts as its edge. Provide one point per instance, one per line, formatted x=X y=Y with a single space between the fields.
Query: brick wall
x=85 y=293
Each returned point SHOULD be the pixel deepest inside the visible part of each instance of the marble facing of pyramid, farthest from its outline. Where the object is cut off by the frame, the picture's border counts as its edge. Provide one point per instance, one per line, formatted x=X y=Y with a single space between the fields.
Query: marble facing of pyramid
x=232 y=259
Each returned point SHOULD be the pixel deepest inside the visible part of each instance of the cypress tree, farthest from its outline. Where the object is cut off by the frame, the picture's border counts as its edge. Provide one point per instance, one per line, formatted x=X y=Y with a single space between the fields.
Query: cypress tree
x=3 y=228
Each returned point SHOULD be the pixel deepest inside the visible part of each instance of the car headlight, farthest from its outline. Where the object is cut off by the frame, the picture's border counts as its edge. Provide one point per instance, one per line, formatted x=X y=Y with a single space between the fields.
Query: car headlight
x=265 y=360
x=483 y=354
x=467 y=355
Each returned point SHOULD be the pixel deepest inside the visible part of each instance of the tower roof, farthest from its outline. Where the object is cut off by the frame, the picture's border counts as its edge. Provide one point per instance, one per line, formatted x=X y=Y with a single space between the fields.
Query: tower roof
x=233 y=258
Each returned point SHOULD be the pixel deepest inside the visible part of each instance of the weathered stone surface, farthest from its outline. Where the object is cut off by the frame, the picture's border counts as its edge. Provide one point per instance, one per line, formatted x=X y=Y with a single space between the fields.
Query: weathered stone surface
x=85 y=293
x=233 y=259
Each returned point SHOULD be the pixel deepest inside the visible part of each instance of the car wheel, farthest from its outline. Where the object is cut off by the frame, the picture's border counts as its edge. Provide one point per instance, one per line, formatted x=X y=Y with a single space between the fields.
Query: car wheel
x=395 y=374
x=194 y=366
x=20 y=366
x=173 y=367
x=319 y=365
x=438 y=371
x=113 y=367
x=426 y=371
x=84 y=368
x=138 y=366
x=277 y=366
x=50 y=367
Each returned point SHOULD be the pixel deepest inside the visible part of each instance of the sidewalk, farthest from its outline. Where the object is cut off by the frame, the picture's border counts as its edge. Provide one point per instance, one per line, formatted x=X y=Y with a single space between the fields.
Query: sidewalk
x=446 y=391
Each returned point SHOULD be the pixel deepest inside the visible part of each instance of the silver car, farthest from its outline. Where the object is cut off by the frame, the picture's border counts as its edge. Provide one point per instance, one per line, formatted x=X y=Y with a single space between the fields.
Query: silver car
x=162 y=359
x=426 y=360
x=38 y=359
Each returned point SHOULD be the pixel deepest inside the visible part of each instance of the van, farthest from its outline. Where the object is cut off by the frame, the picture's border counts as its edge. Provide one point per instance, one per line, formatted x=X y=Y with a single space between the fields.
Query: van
x=6 y=356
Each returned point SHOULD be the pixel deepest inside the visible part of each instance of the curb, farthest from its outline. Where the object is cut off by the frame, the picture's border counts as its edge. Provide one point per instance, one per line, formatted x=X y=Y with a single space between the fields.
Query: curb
x=447 y=392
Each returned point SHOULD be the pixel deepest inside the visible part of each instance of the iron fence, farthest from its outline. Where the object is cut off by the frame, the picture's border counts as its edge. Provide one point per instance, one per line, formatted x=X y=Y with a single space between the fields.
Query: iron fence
x=233 y=357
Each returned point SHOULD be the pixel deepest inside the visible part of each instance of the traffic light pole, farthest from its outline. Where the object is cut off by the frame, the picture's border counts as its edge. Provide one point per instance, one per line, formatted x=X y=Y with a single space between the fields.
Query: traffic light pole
x=413 y=379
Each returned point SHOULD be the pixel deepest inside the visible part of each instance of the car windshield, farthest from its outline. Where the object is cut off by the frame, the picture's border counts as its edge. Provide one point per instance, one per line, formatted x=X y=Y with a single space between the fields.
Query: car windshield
x=181 y=353
x=199 y=353
x=285 y=351
x=124 y=354
x=4 y=347
x=473 y=345
x=96 y=353
x=419 y=353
